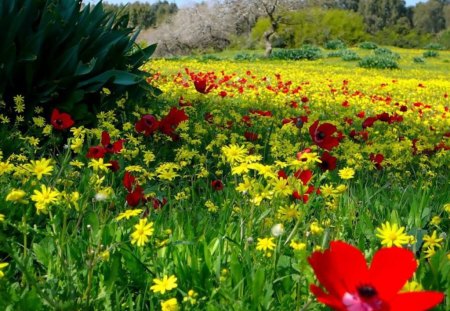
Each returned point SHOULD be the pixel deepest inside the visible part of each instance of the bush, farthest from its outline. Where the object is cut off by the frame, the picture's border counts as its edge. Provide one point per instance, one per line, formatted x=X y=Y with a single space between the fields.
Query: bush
x=209 y=57
x=386 y=52
x=56 y=53
x=430 y=54
x=335 y=45
x=378 y=62
x=367 y=45
x=434 y=46
x=335 y=54
x=349 y=55
x=419 y=60
x=244 y=56
x=309 y=52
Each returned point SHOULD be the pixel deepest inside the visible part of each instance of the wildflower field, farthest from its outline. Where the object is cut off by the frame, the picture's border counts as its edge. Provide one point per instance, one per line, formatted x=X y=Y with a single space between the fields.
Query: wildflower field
x=245 y=185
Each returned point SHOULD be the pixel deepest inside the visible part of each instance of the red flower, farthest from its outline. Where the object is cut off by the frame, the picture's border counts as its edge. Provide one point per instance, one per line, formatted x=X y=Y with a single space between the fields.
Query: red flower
x=368 y=122
x=147 y=124
x=352 y=286
x=376 y=160
x=115 y=147
x=169 y=124
x=129 y=181
x=328 y=162
x=134 y=197
x=114 y=165
x=304 y=175
x=96 y=152
x=61 y=121
x=217 y=185
x=323 y=135
x=250 y=136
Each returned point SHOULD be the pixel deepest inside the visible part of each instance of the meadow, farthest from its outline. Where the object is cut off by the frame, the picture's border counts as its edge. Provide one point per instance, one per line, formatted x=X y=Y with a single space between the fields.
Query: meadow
x=217 y=193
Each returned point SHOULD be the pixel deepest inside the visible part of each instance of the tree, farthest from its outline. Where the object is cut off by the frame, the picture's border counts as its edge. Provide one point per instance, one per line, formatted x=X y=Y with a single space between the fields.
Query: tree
x=379 y=14
x=429 y=16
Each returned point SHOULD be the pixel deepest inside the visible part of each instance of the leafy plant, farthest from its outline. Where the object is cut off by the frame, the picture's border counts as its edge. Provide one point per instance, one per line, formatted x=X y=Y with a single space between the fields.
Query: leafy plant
x=309 y=52
x=379 y=62
x=56 y=53
x=419 y=60
x=335 y=44
x=435 y=46
x=349 y=55
x=386 y=52
x=367 y=45
x=430 y=54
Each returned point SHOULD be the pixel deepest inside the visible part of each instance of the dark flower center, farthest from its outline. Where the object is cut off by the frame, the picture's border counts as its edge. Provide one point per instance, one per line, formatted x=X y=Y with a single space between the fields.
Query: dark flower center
x=367 y=291
x=59 y=122
x=109 y=146
x=320 y=135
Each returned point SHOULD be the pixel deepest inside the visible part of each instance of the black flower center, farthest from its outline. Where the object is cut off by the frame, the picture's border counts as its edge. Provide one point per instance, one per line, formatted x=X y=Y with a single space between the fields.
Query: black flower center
x=320 y=135
x=59 y=122
x=367 y=291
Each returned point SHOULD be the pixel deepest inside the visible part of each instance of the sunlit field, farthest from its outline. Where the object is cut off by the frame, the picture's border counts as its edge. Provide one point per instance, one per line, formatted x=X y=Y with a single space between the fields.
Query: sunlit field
x=216 y=195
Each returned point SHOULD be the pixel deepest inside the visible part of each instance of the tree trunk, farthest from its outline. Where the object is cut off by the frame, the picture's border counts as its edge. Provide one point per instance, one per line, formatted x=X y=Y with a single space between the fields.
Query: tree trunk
x=268 y=43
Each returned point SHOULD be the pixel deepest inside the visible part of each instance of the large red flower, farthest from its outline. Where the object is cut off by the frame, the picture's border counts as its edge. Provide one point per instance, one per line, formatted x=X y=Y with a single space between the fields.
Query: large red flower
x=110 y=147
x=147 y=125
x=353 y=286
x=325 y=135
x=169 y=124
x=61 y=121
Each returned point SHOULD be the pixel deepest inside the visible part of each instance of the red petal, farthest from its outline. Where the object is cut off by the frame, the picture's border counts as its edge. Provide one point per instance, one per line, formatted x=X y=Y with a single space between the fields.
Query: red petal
x=313 y=129
x=327 y=129
x=324 y=298
x=391 y=268
x=416 y=301
x=340 y=268
x=106 y=139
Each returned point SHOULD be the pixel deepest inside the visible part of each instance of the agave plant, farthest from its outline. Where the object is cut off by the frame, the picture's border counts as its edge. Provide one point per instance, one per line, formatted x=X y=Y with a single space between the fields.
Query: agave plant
x=60 y=53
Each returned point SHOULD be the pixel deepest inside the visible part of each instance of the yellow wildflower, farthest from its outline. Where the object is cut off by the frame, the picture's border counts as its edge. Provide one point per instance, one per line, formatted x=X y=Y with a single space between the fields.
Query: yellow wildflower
x=164 y=285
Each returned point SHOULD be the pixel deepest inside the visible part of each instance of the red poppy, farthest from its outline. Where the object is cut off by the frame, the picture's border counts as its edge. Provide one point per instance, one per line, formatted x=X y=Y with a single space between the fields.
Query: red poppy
x=61 y=121
x=217 y=185
x=96 y=152
x=323 y=135
x=368 y=122
x=353 y=286
x=147 y=124
x=115 y=147
x=134 y=197
x=201 y=81
x=169 y=124
x=376 y=160
x=298 y=121
x=114 y=165
x=129 y=181
x=304 y=175
x=282 y=174
x=328 y=162
x=250 y=136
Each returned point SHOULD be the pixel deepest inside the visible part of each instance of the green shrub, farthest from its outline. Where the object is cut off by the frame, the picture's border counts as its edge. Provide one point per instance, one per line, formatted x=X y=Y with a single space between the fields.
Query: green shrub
x=56 y=53
x=208 y=57
x=244 y=56
x=335 y=44
x=349 y=55
x=378 y=62
x=309 y=52
x=367 y=45
x=434 y=46
x=335 y=54
x=386 y=52
x=430 y=54
x=419 y=60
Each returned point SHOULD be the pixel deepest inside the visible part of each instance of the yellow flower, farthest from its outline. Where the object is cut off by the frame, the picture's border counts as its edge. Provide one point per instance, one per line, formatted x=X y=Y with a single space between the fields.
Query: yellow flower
x=76 y=163
x=5 y=167
x=392 y=235
x=164 y=284
x=412 y=286
x=99 y=165
x=19 y=103
x=39 y=167
x=44 y=198
x=170 y=305
x=191 y=297
x=347 y=173
x=297 y=246
x=265 y=244
x=446 y=207
x=16 y=195
x=234 y=153
x=129 y=213
x=142 y=232
x=289 y=213
x=105 y=255
x=432 y=241
x=429 y=252
x=315 y=228
x=2 y=217
x=436 y=220
x=2 y=266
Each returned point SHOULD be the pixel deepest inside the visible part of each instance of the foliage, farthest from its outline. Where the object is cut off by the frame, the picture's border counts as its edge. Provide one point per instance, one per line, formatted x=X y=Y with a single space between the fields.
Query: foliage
x=335 y=44
x=349 y=55
x=434 y=46
x=378 y=62
x=57 y=54
x=309 y=52
x=315 y=26
x=144 y=15
x=386 y=52
x=419 y=60
x=430 y=53
x=367 y=45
